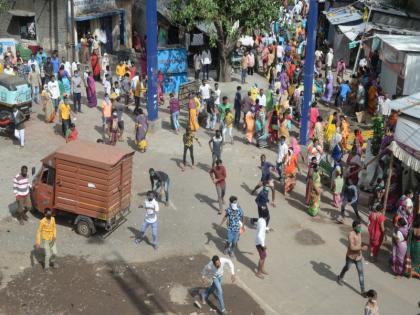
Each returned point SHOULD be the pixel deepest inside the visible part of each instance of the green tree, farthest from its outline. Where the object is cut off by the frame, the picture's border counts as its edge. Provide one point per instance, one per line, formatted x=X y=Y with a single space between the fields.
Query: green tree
x=231 y=19
x=4 y=5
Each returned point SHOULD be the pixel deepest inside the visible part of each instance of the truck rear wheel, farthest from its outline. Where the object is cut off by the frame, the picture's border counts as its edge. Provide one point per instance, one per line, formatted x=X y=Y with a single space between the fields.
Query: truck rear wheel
x=83 y=228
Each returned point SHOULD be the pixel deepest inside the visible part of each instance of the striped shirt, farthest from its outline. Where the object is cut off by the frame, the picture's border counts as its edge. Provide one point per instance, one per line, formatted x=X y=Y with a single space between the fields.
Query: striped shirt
x=21 y=186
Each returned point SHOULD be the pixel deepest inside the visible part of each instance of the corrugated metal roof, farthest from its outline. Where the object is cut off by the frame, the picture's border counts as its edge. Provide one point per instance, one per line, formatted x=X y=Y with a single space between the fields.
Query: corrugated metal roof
x=409 y=105
x=401 y=42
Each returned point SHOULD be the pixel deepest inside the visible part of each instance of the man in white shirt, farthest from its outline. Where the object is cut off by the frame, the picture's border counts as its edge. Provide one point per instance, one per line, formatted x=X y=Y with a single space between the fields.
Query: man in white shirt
x=214 y=270
x=279 y=53
x=54 y=92
x=217 y=93
x=150 y=218
x=204 y=92
x=281 y=157
x=328 y=61
x=206 y=61
x=262 y=98
x=260 y=242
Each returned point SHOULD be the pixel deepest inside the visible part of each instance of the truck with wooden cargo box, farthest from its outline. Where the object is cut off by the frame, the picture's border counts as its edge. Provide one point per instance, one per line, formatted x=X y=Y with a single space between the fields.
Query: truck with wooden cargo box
x=90 y=181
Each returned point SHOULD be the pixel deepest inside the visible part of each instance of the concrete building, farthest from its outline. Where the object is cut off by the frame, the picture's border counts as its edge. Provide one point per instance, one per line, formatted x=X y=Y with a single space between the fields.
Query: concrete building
x=59 y=24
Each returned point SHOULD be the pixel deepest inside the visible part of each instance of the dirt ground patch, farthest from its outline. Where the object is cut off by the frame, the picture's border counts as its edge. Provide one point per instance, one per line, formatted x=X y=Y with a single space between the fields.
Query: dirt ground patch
x=79 y=287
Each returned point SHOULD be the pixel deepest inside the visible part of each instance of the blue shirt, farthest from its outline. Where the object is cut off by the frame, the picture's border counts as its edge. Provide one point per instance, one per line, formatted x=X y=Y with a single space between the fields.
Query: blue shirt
x=344 y=90
x=265 y=171
x=39 y=57
x=234 y=217
x=262 y=198
x=56 y=64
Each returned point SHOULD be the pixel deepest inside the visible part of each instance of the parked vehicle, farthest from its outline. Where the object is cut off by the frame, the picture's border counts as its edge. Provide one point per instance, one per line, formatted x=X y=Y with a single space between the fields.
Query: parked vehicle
x=90 y=181
x=14 y=90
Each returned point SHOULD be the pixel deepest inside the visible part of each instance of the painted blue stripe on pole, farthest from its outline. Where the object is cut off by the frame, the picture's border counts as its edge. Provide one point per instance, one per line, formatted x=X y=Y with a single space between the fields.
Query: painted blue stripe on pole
x=152 y=65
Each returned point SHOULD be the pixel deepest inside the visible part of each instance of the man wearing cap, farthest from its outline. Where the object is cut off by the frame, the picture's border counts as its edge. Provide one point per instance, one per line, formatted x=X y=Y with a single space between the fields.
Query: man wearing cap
x=65 y=114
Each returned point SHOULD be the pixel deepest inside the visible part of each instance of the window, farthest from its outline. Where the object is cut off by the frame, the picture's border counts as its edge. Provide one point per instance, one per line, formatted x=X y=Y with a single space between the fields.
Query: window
x=48 y=176
x=23 y=26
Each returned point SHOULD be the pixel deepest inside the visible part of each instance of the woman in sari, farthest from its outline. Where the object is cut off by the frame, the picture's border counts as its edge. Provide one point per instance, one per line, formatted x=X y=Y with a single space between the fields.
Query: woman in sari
x=309 y=180
x=47 y=106
x=376 y=230
x=313 y=116
x=330 y=127
x=192 y=111
x=141 y=131
x=414 y=248
x=372 y=99
x=283 y=127
x=250 y=126
x=399 y=248
x=319 y=131
x=66 y=85
x=290 y=170
x=329 y=87
x=96 y=67
x=91 y=90
x=315 y=200
x=345 y=131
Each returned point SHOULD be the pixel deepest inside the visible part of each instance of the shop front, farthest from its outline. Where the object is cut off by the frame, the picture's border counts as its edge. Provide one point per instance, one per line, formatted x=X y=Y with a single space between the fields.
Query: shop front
x=107 y=21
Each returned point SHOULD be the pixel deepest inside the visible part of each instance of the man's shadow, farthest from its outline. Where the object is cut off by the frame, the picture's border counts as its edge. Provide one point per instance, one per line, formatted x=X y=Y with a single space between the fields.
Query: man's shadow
x=324 y=270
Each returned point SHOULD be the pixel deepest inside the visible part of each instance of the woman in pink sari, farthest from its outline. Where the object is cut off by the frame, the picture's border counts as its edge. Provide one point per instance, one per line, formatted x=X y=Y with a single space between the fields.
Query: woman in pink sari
x=91 y=90
x=313 y=116
x=399 y=248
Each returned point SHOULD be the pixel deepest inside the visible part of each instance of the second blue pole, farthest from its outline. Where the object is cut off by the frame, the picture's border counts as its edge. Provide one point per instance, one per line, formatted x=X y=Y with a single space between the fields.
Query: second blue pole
x=309 y=70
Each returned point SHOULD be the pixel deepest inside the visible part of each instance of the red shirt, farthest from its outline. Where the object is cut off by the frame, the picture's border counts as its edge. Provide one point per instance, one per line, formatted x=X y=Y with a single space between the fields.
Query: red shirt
x=218 y=173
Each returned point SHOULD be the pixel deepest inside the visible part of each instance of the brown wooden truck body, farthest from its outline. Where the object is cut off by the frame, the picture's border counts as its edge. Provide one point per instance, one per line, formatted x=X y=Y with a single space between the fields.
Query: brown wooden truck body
x=89 y=180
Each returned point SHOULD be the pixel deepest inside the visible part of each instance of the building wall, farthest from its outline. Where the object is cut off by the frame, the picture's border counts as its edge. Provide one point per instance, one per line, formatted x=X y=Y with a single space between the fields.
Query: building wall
x=50 y=23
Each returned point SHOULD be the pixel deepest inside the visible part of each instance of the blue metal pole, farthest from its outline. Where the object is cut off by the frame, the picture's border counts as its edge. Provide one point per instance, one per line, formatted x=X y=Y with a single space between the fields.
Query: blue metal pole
x=151 y=43
x=309 y=70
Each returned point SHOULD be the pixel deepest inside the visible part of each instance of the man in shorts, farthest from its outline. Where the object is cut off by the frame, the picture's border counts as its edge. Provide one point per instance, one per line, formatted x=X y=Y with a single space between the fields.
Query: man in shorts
x=260 y=242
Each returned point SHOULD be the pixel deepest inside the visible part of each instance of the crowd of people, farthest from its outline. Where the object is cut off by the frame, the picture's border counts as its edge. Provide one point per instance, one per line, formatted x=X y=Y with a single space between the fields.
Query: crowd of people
x=264 y=117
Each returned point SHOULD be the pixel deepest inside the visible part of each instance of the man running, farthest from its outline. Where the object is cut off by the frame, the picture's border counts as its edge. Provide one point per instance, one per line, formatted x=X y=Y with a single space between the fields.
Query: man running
x=214 y=270
x=218 y=176
x=266 y=168
x=150 y=219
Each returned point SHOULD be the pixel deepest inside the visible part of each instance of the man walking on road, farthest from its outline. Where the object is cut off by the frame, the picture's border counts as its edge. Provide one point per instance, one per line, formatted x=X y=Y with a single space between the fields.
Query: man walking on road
x=218 y=176
x=188 y=139
x=281 y=156
x=354 y=255
x=260 y=242
x=160 y=183
x=215 y=145
x=21 y=189
x=351 y=196
x=65 y=114
x=235 y=217
x=19 y=124
x=214 y=270
x=34 y=80
x=46 y=238
x=150 y=219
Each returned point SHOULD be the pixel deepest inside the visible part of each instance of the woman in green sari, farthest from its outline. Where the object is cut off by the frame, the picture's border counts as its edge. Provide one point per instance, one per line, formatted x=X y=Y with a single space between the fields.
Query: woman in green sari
x=315 y=198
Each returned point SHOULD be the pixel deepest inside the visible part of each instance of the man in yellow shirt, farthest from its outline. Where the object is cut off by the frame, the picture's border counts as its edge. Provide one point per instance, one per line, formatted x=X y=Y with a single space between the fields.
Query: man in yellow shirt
x=120 y=69
x=45 y=238
x=65 y=114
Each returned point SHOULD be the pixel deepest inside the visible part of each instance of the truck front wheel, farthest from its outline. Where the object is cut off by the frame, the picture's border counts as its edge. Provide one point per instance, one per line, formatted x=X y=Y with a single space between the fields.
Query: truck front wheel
x=83 y=228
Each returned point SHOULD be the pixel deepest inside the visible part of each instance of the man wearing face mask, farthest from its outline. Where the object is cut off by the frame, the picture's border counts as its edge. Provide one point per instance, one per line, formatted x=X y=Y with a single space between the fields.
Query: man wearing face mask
x=65 y=114
x=150 y=219
x=76 y=84
x=234 y=216
x=46 y=238
x=354 y=255
x=21 y=187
